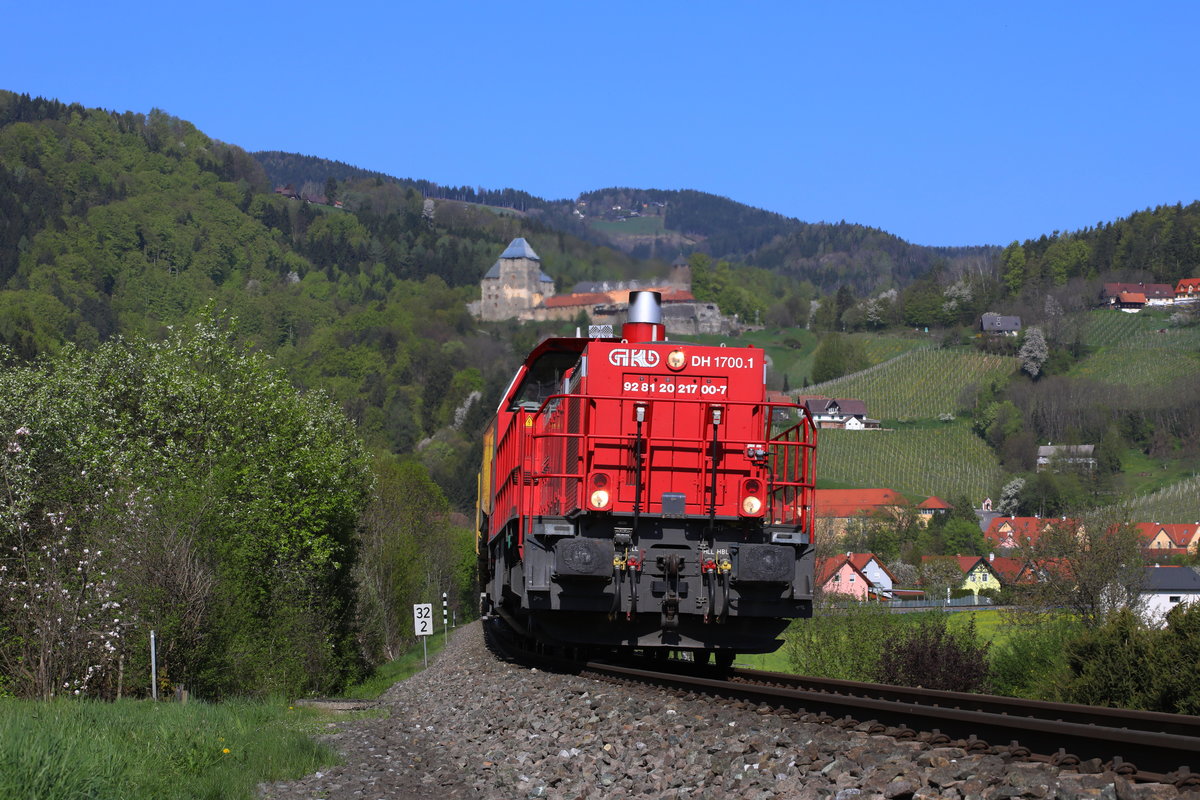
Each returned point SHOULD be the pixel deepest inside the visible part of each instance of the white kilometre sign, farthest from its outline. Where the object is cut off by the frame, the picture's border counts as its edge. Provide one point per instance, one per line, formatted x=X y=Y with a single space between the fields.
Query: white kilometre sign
x=423 y=619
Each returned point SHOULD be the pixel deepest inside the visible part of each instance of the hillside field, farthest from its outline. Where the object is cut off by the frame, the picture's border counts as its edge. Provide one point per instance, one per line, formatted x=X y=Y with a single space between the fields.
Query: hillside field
x=1176 y=503
x=791 y=351
x=946 y=460
x=919 y=384
x=1142 y=349
x=632 y=226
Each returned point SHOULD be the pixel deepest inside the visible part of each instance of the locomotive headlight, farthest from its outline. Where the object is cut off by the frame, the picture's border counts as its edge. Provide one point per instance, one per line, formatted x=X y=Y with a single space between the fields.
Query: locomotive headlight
x=599 y=499
x=676 y=360
x=752 y=503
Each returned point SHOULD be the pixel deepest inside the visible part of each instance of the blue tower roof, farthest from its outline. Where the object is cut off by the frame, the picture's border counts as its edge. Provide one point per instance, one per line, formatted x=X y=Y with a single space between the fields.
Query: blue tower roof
x=519 y=248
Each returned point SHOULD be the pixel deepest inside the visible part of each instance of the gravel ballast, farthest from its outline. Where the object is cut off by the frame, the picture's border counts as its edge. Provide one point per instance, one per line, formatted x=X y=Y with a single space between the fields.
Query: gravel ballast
x=473 y=726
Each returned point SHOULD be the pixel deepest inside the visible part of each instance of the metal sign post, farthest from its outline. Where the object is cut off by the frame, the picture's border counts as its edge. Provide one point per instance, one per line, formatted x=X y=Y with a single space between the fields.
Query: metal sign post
x=153 y=667
x=423 y=625
x=445 y=621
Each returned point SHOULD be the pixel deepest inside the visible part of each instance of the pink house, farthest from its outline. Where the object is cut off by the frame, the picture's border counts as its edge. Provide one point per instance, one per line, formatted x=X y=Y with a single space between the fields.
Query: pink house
x=859 y=575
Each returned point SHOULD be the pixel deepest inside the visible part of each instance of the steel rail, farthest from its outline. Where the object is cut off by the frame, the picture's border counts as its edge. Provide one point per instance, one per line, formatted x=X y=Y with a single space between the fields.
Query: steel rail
x=1181 y=724
x=1057 y=732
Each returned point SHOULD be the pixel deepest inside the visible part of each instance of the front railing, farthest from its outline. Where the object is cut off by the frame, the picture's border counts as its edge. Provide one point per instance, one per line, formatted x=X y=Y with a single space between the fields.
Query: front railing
x=566 y=444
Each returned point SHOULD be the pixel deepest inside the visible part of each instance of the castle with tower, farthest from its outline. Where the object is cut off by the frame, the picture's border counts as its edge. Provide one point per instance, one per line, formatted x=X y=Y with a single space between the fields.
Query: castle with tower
x=516 y=288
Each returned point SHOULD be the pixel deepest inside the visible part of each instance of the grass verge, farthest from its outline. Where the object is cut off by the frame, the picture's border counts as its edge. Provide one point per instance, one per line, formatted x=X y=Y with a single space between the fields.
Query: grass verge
x=406 y=666
x=69 y=749
x=135 y=749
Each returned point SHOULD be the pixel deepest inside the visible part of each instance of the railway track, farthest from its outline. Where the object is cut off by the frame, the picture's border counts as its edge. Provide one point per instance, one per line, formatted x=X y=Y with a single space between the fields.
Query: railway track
x=1145 y=746
x=1140 y=745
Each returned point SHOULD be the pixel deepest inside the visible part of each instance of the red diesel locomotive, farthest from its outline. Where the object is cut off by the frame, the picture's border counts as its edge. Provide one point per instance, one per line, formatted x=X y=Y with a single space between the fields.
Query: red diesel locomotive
x=642 y=494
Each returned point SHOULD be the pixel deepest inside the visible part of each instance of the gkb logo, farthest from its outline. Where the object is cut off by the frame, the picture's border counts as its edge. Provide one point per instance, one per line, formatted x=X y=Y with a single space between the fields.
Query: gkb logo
x=628 y=357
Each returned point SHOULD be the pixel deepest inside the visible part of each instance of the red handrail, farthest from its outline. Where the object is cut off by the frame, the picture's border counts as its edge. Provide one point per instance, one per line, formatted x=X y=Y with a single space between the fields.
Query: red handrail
x=790 y=453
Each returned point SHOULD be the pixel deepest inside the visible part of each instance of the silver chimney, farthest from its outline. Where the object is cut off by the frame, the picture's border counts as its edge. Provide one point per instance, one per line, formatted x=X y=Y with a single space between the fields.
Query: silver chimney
x=645 y=307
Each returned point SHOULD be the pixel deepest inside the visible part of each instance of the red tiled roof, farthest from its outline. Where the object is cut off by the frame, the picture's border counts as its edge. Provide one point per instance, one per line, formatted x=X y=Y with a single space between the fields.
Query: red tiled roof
x=1186 y=284
x=1009 y=569
x=583 y=299
x=860 y=561
x=854 y=502
x=1179 y=534
x=964 y=563
x=1132 y=297
x=826 y=567
x=1156 y=290
x=1025 y=530
x=616 y=297
x=934 y=503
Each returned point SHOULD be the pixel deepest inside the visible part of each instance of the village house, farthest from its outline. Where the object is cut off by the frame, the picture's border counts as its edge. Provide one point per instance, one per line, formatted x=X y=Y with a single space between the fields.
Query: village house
x=843 y=413
x=1187 y=290
x=1009 y=533
x=1163 y=588
x=834 y=509
x=1012 y=571
x=999 y=324
x=1171 y=539
x=1154 y=294
x=977 y=573
x=1130 y=302
x=1066 y=455
x=859 y=575
x=932 y=507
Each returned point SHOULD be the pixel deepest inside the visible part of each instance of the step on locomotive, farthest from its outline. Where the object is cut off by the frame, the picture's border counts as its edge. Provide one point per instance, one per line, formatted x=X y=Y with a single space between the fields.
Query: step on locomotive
x=638 y=494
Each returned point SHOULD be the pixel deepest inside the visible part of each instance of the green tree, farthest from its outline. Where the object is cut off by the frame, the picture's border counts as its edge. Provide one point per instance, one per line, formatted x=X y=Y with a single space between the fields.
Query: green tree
x=411 y=553
x=1012 y=262
x=1089 y=564
x=960 y=537
x=837 y=355
x=208 y=495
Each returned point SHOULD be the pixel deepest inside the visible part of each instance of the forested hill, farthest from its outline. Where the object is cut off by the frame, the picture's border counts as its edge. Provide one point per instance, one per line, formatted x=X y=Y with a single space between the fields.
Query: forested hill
x=126 y=223
x=1160 y=245
x=314 y=173
x=655 y=223
x=829 y=255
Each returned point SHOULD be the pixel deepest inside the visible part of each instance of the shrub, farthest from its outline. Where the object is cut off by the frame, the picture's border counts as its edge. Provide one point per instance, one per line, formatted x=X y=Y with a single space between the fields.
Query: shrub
x=1108 y=665
x=1175 y=688
x=928 y=654
x=1031 y=660
x=842 y=640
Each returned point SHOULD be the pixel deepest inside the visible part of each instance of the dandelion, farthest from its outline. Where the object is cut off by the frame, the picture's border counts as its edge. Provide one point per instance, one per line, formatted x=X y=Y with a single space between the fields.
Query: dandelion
x=225 y=751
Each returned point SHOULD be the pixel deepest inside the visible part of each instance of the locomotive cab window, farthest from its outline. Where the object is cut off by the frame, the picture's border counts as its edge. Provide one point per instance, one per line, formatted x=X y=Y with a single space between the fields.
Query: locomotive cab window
x=543 y=379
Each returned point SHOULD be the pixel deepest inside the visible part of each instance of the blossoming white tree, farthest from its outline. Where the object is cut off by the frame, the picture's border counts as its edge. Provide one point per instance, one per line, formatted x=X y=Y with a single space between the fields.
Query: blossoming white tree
x=181 y=486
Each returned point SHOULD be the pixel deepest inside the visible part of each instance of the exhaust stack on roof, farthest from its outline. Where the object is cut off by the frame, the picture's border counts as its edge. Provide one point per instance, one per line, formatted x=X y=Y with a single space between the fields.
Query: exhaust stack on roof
x=645 y=318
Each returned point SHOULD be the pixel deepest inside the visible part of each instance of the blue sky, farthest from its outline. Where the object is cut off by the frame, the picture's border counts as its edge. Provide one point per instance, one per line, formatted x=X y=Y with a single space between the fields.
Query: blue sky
x=943 y=123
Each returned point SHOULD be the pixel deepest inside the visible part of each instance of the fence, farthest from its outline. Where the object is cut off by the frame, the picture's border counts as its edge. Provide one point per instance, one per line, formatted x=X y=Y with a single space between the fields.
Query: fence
x=953 y=602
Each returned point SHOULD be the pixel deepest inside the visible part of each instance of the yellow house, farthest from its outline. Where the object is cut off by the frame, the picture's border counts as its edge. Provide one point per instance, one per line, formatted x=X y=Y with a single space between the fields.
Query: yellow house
x=1168 y=539
x=977 y=573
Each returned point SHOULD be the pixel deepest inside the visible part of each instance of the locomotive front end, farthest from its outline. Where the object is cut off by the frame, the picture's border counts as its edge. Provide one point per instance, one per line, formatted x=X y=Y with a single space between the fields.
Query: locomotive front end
x=668 y=504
